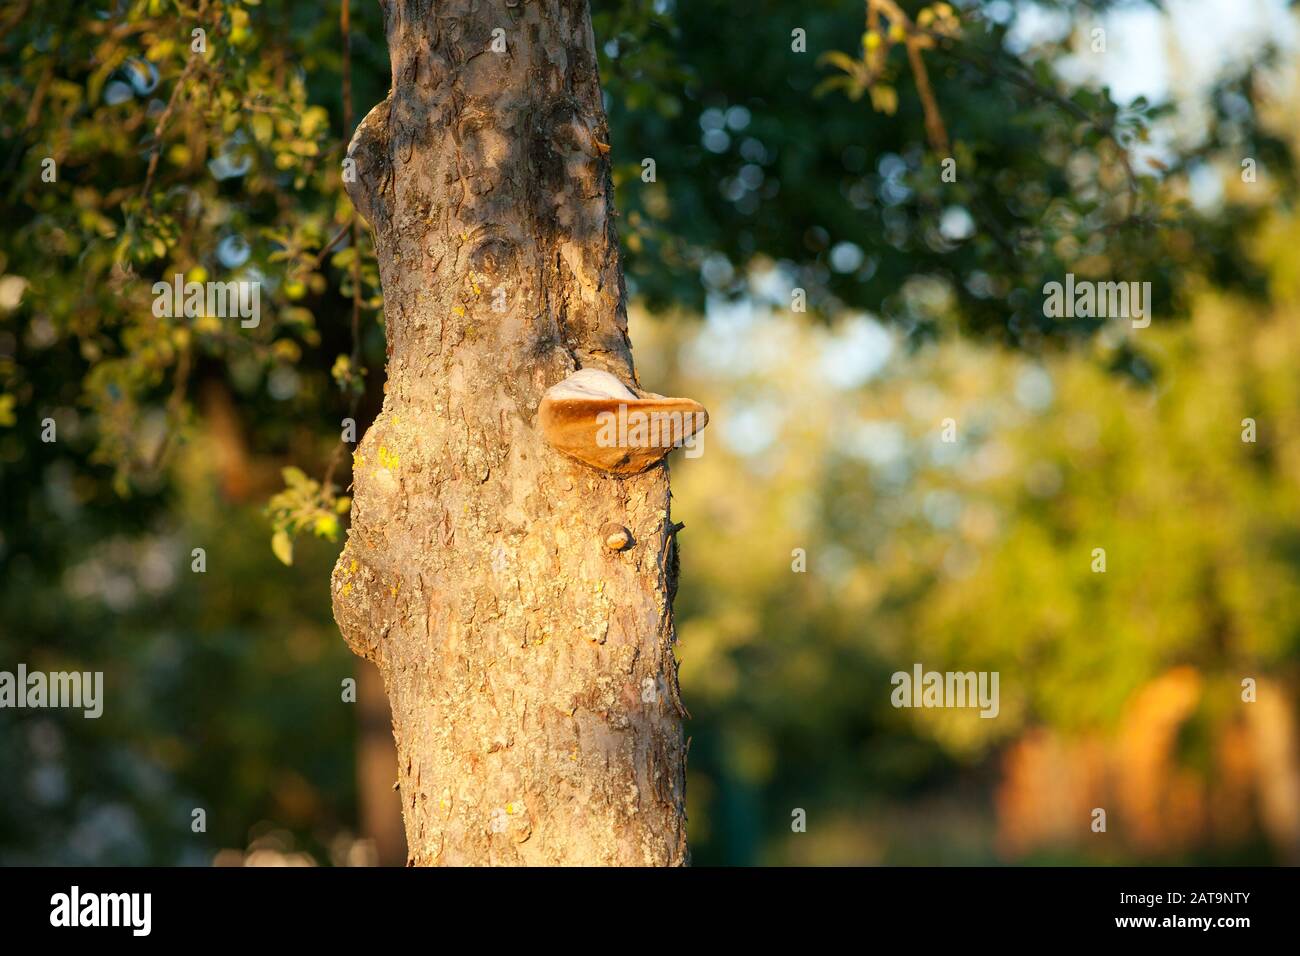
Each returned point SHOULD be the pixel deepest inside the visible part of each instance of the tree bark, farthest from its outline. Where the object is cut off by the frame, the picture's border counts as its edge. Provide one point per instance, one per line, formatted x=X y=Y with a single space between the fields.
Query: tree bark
x=529 y=666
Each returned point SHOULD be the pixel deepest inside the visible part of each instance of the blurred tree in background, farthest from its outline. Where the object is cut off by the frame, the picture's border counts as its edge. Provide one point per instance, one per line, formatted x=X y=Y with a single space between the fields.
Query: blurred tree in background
x=1119 y=689
x=217 y=155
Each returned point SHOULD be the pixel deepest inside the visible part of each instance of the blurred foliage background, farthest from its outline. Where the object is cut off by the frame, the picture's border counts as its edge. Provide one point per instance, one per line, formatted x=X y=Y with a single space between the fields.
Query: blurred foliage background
x=226 y=689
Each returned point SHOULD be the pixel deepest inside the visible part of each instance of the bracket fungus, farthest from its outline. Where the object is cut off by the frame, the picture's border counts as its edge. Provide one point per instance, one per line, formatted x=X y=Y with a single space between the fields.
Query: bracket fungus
x=593 y=417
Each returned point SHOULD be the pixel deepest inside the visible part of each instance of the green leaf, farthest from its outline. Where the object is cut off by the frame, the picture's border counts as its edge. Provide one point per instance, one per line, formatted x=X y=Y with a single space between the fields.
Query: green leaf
x=841 y=60
x=282 y=546
x=263 y=128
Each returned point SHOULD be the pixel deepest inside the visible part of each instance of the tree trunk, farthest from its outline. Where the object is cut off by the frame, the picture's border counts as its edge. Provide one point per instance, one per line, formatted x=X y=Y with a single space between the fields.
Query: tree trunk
x=529 y=666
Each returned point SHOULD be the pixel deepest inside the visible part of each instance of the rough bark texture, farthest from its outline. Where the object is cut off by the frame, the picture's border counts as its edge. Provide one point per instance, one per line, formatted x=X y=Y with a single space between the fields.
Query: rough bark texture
x=529 y=666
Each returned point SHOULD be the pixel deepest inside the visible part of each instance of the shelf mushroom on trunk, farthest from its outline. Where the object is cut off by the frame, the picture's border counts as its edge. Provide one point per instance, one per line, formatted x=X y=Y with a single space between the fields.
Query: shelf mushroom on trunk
x=594 y=418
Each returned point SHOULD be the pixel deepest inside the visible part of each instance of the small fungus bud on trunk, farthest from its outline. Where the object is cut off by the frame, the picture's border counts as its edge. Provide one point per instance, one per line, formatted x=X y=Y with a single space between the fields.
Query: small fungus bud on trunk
x=616 y=537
